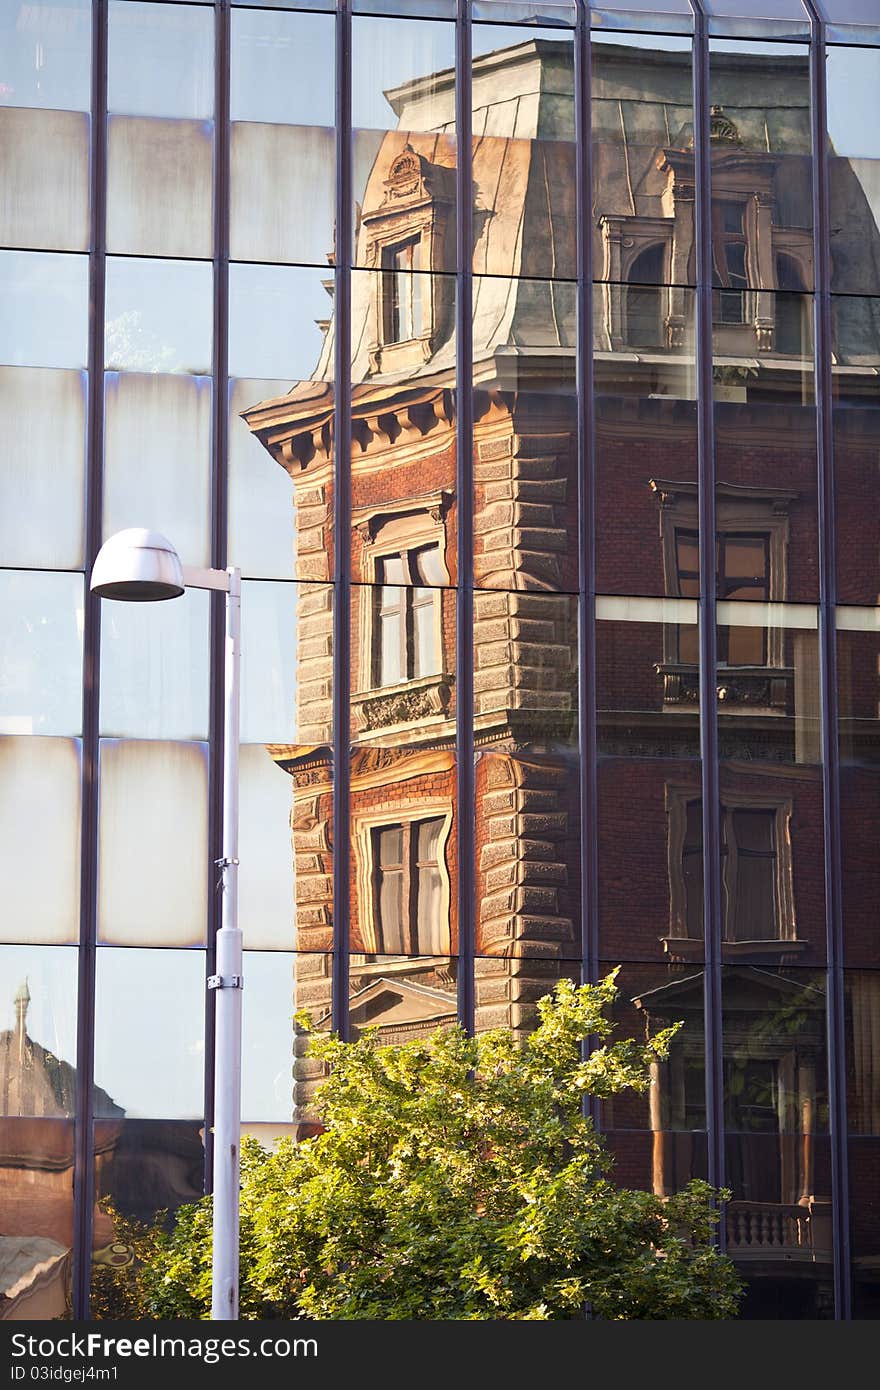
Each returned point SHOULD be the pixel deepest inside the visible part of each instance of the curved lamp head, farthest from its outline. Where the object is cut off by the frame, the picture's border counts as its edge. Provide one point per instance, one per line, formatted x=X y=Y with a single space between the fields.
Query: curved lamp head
x=138 y=565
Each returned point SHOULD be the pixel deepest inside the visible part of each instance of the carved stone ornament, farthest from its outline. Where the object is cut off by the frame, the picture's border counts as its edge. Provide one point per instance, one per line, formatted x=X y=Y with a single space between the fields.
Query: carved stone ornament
x=405 y=706
x=405 y=175
x=721 y=127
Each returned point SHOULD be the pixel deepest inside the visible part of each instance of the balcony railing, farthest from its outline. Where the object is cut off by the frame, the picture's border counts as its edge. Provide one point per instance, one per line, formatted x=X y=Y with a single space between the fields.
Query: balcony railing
x=775 y=1230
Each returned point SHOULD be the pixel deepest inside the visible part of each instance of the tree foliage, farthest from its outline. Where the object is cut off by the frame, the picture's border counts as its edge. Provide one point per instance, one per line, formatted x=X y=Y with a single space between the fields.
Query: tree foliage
x=454 y=1178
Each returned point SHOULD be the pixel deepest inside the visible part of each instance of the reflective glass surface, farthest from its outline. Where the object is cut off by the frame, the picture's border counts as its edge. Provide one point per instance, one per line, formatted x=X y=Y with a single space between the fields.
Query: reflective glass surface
x=158 y=316
x=155 y=668
x=854 y=169
x=265 y=879
x=42 y=466
x=45 y=160
x=855 y=321
x=142 y=1071
x=262 y=522
x=46 y=309
x=156 y=457
x=46 y=54
x=41 y=627
x=38 y=1035
x=282 y=110
x=153 y=829
x=41 y=778
x=160 y=60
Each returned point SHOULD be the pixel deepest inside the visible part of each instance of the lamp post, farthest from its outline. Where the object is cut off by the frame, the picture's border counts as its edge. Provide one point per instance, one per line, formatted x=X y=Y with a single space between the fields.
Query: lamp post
x=141 y=566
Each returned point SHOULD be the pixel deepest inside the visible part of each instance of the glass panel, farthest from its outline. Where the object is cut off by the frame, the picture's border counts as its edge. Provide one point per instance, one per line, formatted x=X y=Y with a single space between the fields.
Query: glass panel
x=525 y=433
x=858 y=648
x=265 y=878
x=47 y=49
x=672 y=16
x=311 y=822
x=647 y=707
x=856 y=426
x=659 y=1161
x=282 y=108
x=42 y=466
x=41 y=627
x=403 y=83
x=768 y=682
x=643 y=161
x=650 y=853
x=272 y=651
x=854 y=169
x=650 y=998
x=46 y=309
x=646 y=443
x=151 y=1072
x=45 y=160
x=393 y=793
x=37 y=1101
x=144 y=1168
x=561 y=12
x=278 y=320
x=262 y=527
x=158 y=316
x=772 y=866
x=528 y=854
x=526 y=661
x=862 y=1054
x=776 y=1104
x=40 y=872
x=403 y=420
x=155 y=668
x=766 y=499
x=152 y=847
x=160 y=60
x=159 y=175
x=781 y=18
x=157 y=458
x=864 y=1155
x=402 y=663
x=524 y=152
x=762 y=205
x=268 y=1003
x=405 y=999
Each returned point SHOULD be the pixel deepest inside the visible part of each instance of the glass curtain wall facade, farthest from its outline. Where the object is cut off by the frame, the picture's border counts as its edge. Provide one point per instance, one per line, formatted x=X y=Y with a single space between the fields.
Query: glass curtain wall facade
x=526 y=363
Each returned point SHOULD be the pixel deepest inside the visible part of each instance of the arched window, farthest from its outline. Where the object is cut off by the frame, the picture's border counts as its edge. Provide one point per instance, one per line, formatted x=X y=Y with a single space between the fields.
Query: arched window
x=644 y=320
x=790 y=336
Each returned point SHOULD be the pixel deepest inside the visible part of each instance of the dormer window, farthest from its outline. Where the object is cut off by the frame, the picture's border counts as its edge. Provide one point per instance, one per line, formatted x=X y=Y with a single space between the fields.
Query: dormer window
x=402 y=316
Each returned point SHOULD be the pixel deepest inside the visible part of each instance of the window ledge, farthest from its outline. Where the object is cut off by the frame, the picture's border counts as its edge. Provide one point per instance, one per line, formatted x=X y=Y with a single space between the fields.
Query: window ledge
x=411 y=702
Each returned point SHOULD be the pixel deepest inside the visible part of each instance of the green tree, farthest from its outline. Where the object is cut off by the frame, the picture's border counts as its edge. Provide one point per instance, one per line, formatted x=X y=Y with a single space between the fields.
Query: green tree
x=455 y=1178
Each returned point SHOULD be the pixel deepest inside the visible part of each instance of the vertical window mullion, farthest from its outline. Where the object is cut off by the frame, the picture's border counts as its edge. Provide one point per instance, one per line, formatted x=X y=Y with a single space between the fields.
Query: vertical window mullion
x=712 y=904
x=822 y=348
x=84 y=1169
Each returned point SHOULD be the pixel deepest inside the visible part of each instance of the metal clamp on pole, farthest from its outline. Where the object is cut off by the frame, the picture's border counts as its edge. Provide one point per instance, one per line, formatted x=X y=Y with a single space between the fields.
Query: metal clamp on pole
x=225 y=982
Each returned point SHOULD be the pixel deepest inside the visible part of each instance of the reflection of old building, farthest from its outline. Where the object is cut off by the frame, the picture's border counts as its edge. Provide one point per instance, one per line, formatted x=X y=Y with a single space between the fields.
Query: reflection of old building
x=402 y=731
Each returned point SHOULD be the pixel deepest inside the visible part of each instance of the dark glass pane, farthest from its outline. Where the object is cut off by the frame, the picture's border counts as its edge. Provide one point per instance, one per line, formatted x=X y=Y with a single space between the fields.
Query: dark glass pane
x=772 y=863
x=768 y=680
x=856 y=426
x=864 y=1155
x=647 y=677
x=646 y=448
x=858 y=644
x=650 y=998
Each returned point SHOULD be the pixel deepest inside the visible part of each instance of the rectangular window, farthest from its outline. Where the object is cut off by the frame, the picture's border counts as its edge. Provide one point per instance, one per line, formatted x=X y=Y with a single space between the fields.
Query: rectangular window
x=750 y=898
x=408 y=888
x=729 y=254
x=742 y=571
x=406 y=628
x=401 y=291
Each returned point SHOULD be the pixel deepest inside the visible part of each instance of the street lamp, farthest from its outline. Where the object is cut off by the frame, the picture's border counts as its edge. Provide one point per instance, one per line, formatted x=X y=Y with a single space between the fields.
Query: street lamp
x=141 y=566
